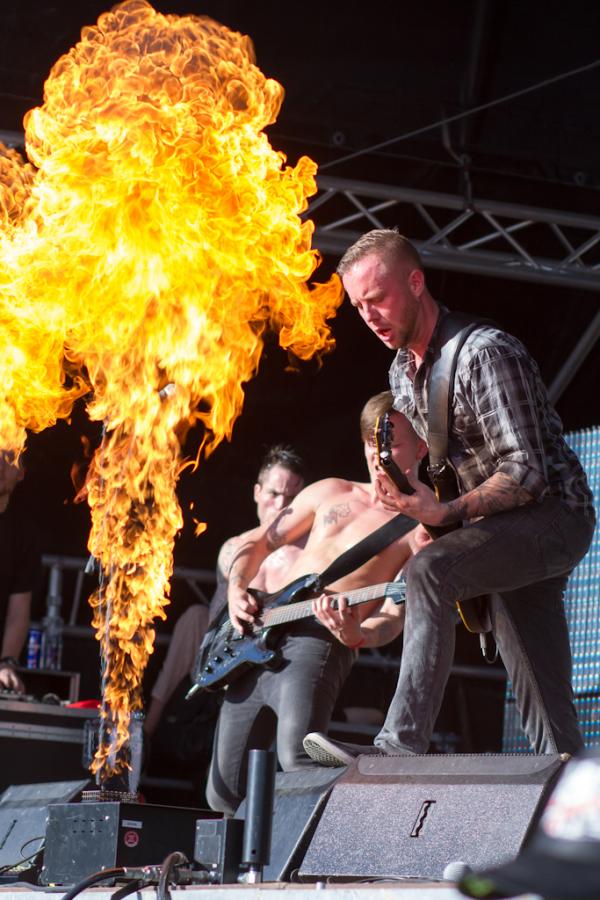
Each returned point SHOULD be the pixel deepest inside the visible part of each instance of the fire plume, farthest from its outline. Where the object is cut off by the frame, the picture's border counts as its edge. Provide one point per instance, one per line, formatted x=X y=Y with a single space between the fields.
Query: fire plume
x=154 y=243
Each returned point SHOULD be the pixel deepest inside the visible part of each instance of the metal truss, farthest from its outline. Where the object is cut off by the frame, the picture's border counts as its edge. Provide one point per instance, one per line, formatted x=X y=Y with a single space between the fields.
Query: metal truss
x=200 y=583
x=483 y=237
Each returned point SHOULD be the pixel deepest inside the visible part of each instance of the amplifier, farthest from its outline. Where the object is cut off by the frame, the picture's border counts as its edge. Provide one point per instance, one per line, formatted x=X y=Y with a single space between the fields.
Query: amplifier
x=83 y=838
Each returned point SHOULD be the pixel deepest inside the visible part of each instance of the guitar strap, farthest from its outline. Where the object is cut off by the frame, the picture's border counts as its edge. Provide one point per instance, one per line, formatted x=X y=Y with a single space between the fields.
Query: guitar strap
x=453 y=331
x=360 y=553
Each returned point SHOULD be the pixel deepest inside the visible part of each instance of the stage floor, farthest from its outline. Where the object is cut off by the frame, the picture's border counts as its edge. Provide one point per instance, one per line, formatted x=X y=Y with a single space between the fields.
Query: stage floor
x=405 y=890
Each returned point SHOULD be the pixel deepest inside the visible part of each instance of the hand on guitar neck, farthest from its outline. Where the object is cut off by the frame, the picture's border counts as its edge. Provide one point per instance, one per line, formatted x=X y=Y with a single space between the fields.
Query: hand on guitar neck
x=474 y=612
x=392 y=471
x=384 y=439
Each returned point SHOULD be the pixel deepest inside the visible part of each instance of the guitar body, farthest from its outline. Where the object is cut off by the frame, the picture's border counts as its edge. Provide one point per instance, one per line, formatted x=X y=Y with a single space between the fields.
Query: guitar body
x=475 y=614
x=225 y=654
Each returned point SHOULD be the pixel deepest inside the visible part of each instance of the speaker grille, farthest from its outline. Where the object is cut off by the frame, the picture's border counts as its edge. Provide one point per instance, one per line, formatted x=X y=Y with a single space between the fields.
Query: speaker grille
x=408 y=817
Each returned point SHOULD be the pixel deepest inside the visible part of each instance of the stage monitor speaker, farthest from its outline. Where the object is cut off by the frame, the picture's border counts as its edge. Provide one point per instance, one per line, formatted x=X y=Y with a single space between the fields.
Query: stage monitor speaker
x=299 y=800
x=409 y=816
x=24 y=814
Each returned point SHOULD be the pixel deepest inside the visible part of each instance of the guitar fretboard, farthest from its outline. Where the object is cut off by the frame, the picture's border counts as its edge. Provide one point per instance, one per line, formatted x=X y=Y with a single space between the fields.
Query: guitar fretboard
x=303 y=608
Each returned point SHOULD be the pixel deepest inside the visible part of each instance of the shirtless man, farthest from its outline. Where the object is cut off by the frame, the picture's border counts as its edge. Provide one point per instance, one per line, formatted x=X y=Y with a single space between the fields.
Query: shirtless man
x=332 y=515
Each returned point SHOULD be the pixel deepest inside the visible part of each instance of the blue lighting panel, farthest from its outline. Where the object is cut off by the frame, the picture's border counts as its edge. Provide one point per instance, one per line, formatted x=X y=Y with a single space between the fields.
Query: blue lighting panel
x=582 y=606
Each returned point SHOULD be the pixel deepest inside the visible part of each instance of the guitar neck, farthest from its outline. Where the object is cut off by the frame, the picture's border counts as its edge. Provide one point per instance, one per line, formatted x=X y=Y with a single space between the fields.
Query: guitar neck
x=398 y=477
x=279 y=615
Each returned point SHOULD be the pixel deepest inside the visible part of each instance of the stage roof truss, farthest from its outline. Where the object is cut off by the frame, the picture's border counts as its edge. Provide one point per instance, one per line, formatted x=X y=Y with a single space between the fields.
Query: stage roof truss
x=485 y=237
x=489 y=237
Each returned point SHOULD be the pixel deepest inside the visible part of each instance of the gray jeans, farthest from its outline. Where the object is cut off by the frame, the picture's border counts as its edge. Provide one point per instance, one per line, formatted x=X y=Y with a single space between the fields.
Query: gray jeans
x=284 y=705
x=523 y=557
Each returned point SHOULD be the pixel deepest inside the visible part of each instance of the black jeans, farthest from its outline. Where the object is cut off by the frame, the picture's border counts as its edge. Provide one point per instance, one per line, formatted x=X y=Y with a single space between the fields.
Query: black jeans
x=523 y=557
x=284 y=704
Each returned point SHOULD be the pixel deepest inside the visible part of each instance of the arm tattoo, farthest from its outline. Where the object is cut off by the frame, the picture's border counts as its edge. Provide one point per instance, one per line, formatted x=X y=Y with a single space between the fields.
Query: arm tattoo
x=337 y=512
x=276 y=536
x=233 y=576
x=226 y=557
x=499 y=493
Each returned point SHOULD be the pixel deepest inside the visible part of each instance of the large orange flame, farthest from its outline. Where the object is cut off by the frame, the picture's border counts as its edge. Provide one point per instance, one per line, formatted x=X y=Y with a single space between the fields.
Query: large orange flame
x=156 y=242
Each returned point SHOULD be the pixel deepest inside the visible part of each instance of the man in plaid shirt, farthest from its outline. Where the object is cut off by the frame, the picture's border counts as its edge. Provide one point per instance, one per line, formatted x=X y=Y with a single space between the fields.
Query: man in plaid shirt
x=525 y=507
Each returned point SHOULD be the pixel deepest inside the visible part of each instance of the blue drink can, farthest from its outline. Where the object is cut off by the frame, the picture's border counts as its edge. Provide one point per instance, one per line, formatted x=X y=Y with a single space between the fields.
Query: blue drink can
x=34 y=647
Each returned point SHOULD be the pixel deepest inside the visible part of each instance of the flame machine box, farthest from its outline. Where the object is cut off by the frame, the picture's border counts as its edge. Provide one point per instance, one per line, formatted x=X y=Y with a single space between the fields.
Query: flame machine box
x=83 y=838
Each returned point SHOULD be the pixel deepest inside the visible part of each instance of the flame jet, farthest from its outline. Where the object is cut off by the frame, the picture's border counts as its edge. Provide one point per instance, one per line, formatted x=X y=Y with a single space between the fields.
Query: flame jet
x=156 y=240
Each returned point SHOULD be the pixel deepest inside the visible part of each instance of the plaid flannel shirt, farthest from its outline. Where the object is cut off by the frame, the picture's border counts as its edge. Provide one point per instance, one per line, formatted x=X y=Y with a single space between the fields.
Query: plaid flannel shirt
x=502 y=419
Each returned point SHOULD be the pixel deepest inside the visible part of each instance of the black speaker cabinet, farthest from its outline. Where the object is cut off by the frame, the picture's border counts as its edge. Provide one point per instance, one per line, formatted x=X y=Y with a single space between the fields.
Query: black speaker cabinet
x=24 y=815
x=299 y=800
x=409 y=816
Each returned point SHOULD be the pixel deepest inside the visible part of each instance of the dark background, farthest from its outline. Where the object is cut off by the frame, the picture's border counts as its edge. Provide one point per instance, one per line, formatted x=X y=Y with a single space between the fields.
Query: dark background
x=355 y=75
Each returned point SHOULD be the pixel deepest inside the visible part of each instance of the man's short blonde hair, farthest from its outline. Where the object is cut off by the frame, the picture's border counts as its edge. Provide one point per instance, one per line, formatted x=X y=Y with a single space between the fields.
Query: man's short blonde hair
x=386 y=242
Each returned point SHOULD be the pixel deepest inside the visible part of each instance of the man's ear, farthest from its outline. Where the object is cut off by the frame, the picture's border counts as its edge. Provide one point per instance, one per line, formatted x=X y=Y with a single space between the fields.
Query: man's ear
x=256 y=492
x=421 y=449
x=416 y=280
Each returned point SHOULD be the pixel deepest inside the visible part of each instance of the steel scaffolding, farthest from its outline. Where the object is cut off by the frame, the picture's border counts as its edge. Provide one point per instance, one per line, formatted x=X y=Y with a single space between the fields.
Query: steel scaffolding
x=483 y=237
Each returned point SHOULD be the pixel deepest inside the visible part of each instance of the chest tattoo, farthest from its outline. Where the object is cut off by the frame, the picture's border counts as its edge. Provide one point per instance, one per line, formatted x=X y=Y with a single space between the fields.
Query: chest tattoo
x=337 y=512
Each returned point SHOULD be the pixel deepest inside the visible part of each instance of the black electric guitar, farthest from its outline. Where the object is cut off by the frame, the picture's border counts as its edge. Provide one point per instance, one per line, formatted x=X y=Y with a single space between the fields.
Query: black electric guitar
x=225 y=653
x=473 y=612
